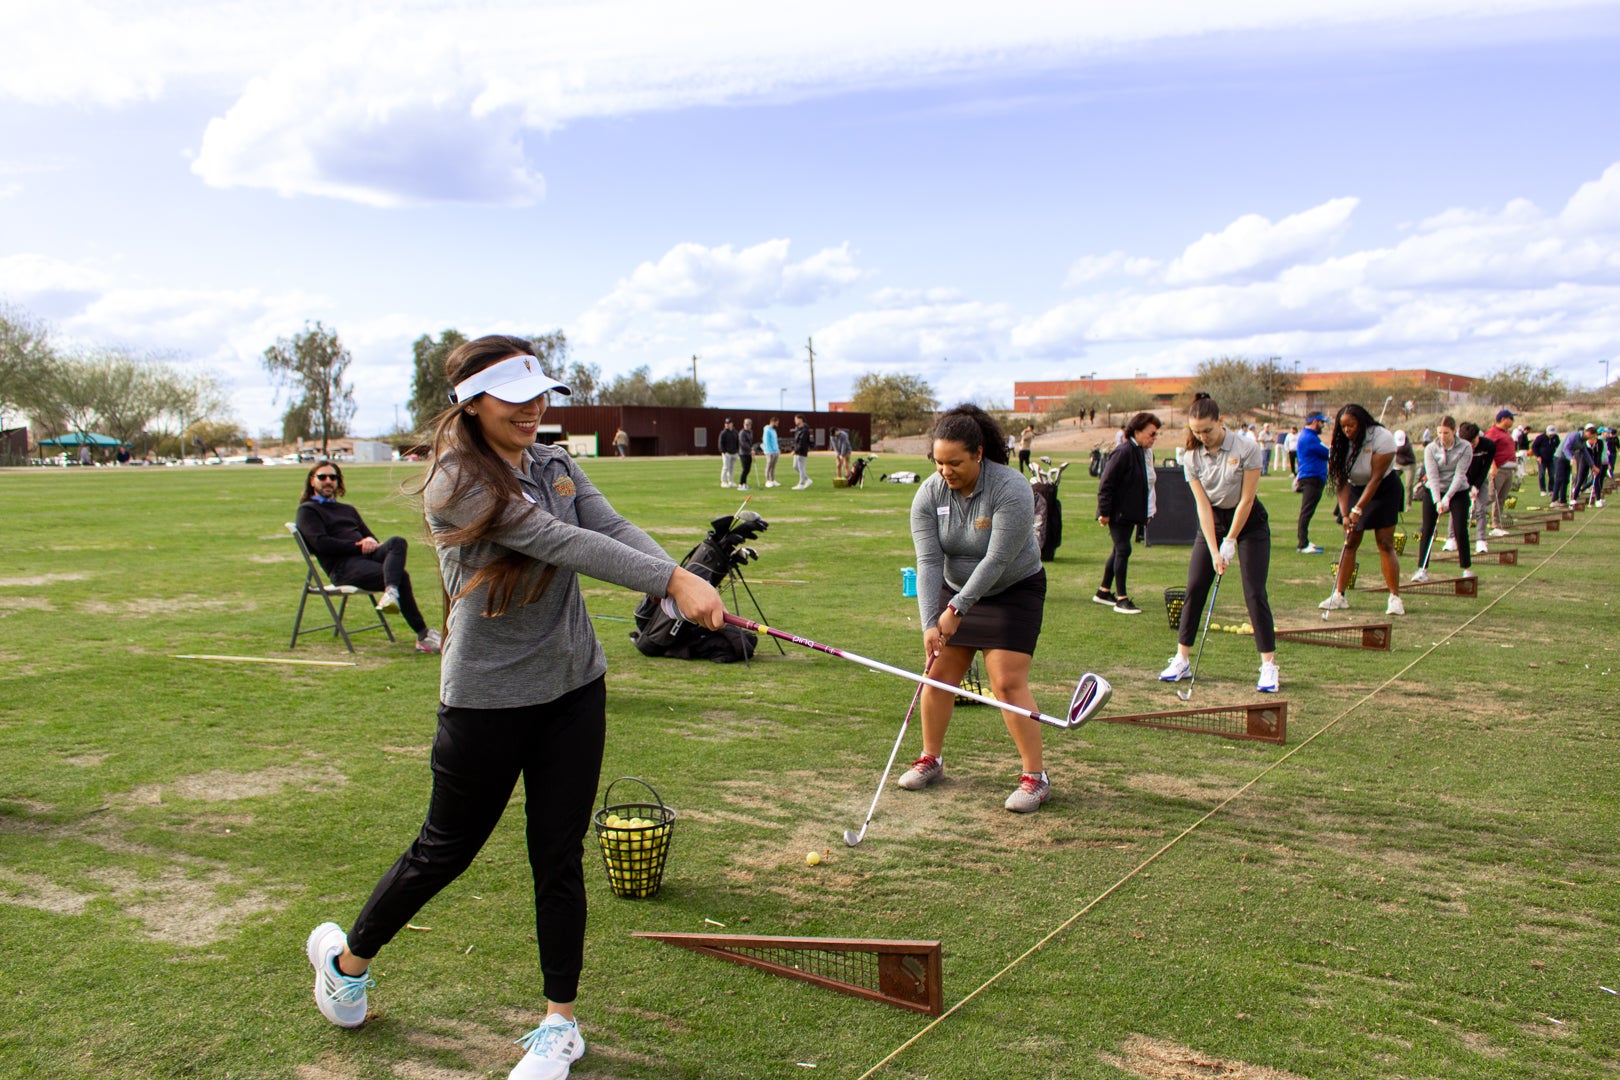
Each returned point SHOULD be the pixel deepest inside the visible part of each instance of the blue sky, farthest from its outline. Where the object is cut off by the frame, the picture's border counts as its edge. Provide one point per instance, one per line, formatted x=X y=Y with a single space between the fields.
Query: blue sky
x=976 y=194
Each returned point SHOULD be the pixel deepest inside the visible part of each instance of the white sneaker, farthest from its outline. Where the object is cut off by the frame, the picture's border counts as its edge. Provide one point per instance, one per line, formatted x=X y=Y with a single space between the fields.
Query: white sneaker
x=742 y=487
x=800 y=486
x=430 y=643
x=1268 y=678
x=772 y=483
x=726 y=484
x=1450 y=544
x=390 y=600
x=924 y=771
x=1469 y=573
x=341 y=998
x=552 y=1048
x=1395 y=606
x=1597 y=504
x=1177 y=670
x=1481 y=548
x=1419 y=576
x=808 y=481
x=1498 y=532
x=1031 y=792
x=1335 y=602
x=1310 y=549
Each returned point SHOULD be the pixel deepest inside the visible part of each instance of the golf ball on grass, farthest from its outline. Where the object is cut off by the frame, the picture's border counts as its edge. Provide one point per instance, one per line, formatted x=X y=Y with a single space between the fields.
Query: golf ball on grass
x=813 y=859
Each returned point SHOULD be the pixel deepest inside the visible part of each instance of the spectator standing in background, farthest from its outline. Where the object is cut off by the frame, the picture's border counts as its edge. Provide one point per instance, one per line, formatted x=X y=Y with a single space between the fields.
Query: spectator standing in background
x=1543 y=449
x=803 y=439
x=730 y=447
x=1310 y=477
x=745 y=452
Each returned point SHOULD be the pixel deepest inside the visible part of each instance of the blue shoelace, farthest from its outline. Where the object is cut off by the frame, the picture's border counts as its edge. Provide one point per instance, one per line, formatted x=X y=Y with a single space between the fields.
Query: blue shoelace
x=348 y=988
x=542 y=1039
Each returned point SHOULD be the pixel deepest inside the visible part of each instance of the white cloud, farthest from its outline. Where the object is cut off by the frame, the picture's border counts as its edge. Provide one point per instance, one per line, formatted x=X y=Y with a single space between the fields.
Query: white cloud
x=696 y=280
x=429 y=100
x=1089 y=268
x=1252 y=246
x=1595 y=206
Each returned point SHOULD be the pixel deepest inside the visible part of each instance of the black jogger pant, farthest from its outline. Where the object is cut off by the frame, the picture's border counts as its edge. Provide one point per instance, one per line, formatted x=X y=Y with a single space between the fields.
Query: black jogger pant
x=1253 y=558
x=747 y=464
x=385 y=566
x=1119 y=559
x=1458 y=509
x=1310 y=493
x=478 y=755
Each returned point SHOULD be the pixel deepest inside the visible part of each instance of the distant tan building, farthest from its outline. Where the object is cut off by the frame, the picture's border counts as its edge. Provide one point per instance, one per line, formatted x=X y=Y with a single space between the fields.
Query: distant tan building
x=1313 y=390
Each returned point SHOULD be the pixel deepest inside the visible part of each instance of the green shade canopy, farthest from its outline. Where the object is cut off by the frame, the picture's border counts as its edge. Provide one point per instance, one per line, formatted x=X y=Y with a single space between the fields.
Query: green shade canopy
x=74 y=439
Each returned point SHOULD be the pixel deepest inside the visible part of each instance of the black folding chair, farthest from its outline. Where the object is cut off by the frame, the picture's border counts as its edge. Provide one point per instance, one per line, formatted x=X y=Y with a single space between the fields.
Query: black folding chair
x=315 y=584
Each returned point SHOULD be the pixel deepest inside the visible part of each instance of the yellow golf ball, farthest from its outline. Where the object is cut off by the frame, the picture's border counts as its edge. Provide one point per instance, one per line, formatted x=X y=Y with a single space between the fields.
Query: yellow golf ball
x=813 y=859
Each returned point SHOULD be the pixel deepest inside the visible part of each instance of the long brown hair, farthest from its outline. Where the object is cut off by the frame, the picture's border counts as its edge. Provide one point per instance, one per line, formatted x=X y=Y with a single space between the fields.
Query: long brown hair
x=309 y=480
x=511 y=575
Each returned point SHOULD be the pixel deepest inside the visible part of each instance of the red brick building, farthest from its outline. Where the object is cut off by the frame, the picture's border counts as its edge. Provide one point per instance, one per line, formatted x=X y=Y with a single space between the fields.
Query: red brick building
x=1313 y=390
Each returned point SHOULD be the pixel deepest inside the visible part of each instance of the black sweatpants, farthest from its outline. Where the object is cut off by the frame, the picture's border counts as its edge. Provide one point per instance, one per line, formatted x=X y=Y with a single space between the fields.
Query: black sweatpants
x=1458 y=509
x=385 y=566
x=1119 y=560
x=1310 y=493
x=478 y=755
x=747 y=464
x=1253 y=558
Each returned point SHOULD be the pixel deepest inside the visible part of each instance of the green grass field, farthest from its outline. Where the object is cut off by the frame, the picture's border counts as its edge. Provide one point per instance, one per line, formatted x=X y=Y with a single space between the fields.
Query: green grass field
x=1428 y=888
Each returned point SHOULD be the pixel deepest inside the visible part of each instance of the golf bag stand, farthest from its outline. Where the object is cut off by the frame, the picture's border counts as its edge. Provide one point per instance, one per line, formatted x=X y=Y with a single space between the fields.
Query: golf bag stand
x=718 y=558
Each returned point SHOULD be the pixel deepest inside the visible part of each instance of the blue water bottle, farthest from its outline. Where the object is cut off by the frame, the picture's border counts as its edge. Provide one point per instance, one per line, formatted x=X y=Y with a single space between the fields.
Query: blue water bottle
x=908 y=582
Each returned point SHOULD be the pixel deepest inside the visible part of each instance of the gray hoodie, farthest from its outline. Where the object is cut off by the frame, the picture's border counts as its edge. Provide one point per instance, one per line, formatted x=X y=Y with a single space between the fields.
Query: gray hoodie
x=535 y=652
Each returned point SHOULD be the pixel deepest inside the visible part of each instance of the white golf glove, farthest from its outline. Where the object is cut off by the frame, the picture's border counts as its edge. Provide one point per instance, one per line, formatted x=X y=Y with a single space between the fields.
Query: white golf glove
x=1445 y=504
x=1228 y=549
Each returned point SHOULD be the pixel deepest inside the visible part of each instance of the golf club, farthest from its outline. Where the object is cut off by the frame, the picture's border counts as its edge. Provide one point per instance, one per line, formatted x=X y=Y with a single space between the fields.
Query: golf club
x=1186 y=695
x=1386 y=406
x=1342 y=552
x=851 y=837
x=1424 y=565
x=1091 y=693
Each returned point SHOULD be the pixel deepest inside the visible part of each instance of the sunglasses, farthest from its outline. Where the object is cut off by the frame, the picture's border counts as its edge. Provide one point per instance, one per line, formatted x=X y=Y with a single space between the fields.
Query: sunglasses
x=326 y=476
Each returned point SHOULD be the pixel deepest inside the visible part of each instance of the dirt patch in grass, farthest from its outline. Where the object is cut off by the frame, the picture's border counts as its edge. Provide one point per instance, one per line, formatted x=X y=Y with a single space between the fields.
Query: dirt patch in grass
x=1176 y=787
x=1157 y=1059
x=183 y=907
x=85 y=761
x=482 y=1050
x=39 y=579
x=11 y=604
x=141 y=607
x=722 y=726
x=421 y=751
x=32 y=891
x=327 y=1069
x=221 y=785
x=415 y=1070
x=274 y=558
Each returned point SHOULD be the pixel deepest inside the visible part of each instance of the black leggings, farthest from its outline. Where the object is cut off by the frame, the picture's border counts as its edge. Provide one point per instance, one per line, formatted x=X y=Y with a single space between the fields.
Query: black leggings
x=1254 y=558
x=1120 y=558
x=385 y=566
x=747 y=464
x=1458 y=509
x=478 y=755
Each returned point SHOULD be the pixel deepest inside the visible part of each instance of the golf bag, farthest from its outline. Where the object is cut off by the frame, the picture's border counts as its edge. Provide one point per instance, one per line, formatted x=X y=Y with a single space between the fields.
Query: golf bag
x=659 y=634
x=1048 y=519
x=857 y=472
x=1096 y=466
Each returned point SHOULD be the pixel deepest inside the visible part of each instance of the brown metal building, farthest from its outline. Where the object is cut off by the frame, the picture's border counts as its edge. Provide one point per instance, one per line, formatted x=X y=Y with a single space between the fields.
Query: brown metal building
x=656 y=431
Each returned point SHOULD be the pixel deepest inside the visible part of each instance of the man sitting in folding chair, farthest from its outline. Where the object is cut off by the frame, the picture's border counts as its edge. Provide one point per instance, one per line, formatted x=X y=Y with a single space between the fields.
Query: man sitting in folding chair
x=350 y=555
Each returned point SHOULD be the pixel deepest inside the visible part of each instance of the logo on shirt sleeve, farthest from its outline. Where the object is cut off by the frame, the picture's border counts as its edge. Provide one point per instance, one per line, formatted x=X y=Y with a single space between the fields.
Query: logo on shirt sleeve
x=564 y=486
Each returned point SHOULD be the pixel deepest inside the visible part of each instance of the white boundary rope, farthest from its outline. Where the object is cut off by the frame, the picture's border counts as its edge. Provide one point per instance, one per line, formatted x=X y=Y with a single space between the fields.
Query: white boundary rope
x=1224 y=803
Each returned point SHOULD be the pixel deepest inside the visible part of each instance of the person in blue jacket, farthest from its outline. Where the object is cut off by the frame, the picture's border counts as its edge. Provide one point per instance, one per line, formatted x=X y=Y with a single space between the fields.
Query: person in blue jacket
x=1312 y=476
x=771 y=447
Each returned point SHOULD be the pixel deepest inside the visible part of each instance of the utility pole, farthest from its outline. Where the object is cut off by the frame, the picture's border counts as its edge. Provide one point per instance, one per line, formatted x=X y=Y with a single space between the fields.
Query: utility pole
x=810 y=347
x=694 y=371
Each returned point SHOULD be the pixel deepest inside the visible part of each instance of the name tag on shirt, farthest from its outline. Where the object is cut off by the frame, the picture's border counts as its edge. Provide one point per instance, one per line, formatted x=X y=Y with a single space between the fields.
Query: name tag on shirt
x=531 y=498
x=943 y=511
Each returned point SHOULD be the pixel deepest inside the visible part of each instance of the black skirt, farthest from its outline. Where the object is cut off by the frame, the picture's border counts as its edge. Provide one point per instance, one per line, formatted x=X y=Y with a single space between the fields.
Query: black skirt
x=1011 y=619
x=1384 y=508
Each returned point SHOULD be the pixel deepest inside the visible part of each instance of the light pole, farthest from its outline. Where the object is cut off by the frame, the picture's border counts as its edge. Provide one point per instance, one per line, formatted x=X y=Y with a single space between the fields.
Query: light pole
x=1605 y=374
x=780 y=397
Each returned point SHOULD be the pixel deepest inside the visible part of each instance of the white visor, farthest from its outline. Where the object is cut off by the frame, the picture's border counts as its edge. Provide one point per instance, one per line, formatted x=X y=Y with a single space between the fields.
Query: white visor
x=514 y=380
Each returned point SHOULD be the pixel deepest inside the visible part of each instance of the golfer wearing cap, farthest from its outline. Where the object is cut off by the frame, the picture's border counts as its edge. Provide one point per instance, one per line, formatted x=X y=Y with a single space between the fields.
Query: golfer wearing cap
x=1573 y=456
x=1543 y=448
x=1311 y=477
x=1504 y=466
x=521 y=688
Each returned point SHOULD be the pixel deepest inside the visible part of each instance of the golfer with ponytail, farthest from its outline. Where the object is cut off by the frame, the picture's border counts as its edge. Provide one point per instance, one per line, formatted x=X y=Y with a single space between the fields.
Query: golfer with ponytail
x=522 y=690
x=980 y=587
x=1223 y=470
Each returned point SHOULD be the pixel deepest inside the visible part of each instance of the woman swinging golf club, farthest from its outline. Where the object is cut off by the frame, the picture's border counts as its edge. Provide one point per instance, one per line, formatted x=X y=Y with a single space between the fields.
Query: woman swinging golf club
x=1445 y=471
x=1370 y=497
x=521 y=688
x=1223 y=471
x=980 y=586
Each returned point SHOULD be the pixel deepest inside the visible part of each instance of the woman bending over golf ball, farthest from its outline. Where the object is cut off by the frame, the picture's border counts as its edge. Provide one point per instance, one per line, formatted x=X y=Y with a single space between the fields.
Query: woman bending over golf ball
x=1370 y=500
x=980 y=587
x=521 y=685
x=1445 y=471
x=1223 y=470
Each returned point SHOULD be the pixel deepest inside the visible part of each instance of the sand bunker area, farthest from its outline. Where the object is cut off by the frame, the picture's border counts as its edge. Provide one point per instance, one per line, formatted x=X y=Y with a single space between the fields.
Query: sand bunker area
x=115 y=855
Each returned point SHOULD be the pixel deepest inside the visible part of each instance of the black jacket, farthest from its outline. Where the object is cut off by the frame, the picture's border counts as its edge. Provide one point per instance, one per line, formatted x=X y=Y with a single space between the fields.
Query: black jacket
x=1545 y=447
x=1480 y=467
x=803 y=436
x=728 y=440
x=1122 y=494
x=332 y=531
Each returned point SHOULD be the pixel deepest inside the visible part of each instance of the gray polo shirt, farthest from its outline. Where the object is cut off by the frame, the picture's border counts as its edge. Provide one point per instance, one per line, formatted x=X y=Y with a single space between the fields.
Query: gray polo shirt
x=536 y=652
x=979 y=545
x=1220 y=474
x=1446 y=471
x=1379 y=440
